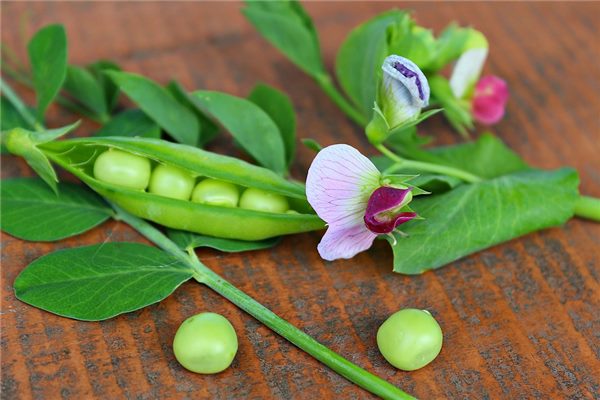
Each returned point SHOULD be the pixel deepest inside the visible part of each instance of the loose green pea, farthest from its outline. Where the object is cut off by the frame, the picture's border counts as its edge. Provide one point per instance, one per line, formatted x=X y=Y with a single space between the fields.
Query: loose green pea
x=410 y=339
x=205 y=343
x=260 y=200
x=216 y=193
x=123 y=169
x=172 y=182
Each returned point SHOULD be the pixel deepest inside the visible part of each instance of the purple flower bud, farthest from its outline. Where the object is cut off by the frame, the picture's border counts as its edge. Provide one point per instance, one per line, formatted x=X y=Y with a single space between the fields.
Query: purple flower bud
x=405 y=90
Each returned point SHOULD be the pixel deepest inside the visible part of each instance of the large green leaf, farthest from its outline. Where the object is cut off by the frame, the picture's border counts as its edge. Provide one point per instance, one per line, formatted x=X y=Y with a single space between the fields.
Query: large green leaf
x=358 y=62
x=187 y=240
x=31 y=211
x=48 y=57
x=131 y=122
x=97 y=282
x=279 y=107
x=254 y=130
x=85 y=88
x=476 y=216
x=159 y=105
x=289 y=28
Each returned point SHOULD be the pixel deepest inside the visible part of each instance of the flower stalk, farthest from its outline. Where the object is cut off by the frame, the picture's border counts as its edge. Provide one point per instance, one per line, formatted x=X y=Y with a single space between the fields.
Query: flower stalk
x=208 y=277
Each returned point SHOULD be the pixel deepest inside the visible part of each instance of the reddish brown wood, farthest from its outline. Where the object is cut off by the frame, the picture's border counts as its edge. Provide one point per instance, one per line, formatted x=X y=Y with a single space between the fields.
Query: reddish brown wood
x=521 y=320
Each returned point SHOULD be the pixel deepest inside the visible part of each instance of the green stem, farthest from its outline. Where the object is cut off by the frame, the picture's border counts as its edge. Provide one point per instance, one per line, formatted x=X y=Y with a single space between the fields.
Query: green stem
x=21 y=108
x=588 y=207
x=205 y=275
x=429 y=167
x=329 y=88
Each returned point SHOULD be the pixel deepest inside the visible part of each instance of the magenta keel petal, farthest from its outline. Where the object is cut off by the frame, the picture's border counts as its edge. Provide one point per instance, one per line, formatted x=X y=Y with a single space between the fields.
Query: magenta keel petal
x=382 y=214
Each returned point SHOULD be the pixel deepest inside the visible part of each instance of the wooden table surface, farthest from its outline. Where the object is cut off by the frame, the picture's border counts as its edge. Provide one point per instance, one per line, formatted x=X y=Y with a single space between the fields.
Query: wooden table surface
x=520 y=320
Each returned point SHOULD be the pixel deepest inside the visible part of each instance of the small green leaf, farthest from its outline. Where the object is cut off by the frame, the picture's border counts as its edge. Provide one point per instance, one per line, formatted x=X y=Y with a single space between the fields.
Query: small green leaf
x=312 y=144
x=158 y=104
x=248 y=124
x=111 y=91
x=208 y=129
x=31 y=211
x=457 y=111
x=84 y=88
x=476 y=216
x=132 y=122
x=94 y=283
x=358 y=62
x=48 y=57
x=9 y=116
x=449 y=46
x=289 y=28
x=187 y=240
x=279 y=107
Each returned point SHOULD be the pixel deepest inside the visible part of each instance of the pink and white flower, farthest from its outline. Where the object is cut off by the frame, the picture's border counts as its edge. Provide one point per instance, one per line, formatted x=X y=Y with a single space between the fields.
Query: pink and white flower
x=344 y=188
x=489 y=100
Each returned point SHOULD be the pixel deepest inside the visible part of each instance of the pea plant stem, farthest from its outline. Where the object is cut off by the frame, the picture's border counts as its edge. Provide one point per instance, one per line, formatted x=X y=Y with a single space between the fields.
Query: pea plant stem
x=208 y=277
x=325 y=82
x=588 y=207
x=21 y=108
x=429 y=167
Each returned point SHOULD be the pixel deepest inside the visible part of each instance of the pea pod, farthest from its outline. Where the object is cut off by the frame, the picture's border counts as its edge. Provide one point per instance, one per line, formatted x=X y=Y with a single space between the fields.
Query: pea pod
x=78 y=156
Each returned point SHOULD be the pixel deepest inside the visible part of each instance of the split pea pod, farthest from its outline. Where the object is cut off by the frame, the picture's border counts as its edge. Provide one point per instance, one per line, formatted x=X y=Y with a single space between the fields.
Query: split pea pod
x=80 y=156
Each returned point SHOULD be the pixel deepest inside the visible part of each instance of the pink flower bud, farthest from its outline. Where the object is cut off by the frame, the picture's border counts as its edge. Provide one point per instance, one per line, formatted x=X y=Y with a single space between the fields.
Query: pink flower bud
x=489 y=100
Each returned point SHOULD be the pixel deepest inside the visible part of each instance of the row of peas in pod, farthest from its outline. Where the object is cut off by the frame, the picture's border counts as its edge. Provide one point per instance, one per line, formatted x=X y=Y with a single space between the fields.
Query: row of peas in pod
x=135 y=172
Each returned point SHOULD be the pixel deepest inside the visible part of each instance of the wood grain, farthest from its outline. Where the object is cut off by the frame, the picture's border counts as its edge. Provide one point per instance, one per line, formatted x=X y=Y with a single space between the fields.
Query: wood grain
x=521 y=320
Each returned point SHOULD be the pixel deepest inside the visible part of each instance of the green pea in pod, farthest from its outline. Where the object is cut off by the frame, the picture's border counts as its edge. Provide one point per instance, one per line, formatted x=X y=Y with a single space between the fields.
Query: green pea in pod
x=79 y=157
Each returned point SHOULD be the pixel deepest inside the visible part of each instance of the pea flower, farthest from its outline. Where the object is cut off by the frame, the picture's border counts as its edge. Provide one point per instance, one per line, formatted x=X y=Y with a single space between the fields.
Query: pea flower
x=489 y=100
x=468 y=68
x=345 y=190
x=404 y=90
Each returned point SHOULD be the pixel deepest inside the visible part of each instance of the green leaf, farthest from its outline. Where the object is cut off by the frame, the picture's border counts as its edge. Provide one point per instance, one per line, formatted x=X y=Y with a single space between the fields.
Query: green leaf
x=48 y=57
x=208 y=129
x=288 y=27
x=279 y=107
x=132 y=122
x=158 y=104
x=31 y=211
x=449 y=46
x=358 y=62
x=94 y=283
x=84 y=88
x=476 y=216
x=456 y=111
x=9 y=116
x=187 y=240
x=111 y=91
x=254 y=130
x=312 y=144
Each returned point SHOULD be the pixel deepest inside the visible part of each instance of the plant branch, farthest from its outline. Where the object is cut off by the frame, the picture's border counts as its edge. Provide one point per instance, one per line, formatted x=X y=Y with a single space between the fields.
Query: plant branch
x=588 y=207
x=206 y=276
x=429 y=167
x=21 y=108
x=329 y=88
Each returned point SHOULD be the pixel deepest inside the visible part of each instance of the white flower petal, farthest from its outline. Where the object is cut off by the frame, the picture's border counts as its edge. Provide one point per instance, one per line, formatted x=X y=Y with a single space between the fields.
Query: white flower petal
x=345 y=242
x=467 y=70
x=339 y=183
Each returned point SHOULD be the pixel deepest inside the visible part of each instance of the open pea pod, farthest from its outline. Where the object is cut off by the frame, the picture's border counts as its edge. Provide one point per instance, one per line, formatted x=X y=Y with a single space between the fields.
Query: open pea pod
x=78 y=157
